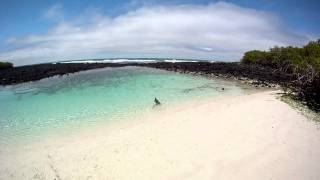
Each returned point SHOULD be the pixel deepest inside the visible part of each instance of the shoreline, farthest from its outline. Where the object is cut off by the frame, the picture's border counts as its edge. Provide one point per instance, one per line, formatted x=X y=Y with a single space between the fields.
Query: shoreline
x=253 y=136
x=257 y=76
x=138 y=117
x=191 y=93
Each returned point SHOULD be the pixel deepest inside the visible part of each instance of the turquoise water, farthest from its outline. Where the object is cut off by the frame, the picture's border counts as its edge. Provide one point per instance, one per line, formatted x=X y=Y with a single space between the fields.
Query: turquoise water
x=96 y=96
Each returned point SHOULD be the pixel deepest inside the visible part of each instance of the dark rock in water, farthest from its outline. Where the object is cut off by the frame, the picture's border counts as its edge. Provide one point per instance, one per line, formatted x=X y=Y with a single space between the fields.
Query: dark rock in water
x=222 y=89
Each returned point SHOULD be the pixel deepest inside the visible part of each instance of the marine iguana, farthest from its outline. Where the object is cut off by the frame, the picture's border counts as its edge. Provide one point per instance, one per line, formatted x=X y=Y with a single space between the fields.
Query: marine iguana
x=156 y=101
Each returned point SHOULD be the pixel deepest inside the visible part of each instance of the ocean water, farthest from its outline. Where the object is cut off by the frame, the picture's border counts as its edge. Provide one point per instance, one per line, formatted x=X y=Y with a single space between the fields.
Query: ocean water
x=32 y=110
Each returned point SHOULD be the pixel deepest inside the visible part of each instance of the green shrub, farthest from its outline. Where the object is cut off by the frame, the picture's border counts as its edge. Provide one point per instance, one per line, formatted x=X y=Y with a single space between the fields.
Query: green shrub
x=302 y=63
x=254 y=57
x=287 y=59
x=5 y=65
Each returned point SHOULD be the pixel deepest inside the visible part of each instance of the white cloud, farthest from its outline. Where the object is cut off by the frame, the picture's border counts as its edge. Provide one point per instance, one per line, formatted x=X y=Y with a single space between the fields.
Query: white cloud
x=54 y=13
x=220 y=31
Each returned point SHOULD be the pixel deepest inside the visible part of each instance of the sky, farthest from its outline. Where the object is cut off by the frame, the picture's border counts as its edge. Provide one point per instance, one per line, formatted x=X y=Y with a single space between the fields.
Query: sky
x=39 y=31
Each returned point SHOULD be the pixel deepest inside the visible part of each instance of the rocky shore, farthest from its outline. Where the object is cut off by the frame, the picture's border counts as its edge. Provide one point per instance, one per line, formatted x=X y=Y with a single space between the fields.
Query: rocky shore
x=28 y=73
x=257 y=76
x=254 y=75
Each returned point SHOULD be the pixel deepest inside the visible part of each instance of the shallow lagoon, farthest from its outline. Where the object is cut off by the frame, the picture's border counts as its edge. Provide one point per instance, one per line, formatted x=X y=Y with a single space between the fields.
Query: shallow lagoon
x=32 y=110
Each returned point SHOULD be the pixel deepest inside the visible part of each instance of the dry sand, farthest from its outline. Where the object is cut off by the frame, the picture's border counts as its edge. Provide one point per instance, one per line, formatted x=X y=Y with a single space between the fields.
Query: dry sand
x=252 y=136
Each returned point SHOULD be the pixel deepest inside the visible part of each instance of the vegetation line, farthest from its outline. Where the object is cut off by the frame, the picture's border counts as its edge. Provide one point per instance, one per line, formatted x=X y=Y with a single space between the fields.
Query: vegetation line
x=302 y=63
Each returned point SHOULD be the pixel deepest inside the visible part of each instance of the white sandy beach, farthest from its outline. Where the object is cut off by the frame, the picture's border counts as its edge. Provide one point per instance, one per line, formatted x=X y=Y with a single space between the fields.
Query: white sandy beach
x=252 y=136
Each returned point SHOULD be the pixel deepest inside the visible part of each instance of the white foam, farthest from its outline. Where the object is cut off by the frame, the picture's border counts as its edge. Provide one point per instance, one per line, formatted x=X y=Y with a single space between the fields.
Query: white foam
x=128 y=60
x=80 y=61
x=175 y=61
x=112 y=61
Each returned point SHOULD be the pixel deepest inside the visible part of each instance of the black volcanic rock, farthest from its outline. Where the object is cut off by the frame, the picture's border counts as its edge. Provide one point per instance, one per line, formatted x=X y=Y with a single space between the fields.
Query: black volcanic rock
x=236 y=70
x=36 y=72
x=229 y=70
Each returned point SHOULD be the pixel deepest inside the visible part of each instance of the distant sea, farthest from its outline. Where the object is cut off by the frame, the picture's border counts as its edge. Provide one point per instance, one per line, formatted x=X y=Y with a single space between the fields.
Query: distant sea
x=95 y=97
x=132 y=60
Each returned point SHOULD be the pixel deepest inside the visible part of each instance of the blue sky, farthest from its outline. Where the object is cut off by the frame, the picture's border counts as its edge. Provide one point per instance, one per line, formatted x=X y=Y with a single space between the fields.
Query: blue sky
x=30 y=29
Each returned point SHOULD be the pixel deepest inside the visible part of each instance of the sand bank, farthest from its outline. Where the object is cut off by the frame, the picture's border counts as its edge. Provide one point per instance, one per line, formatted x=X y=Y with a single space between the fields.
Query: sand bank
x=252 y=136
